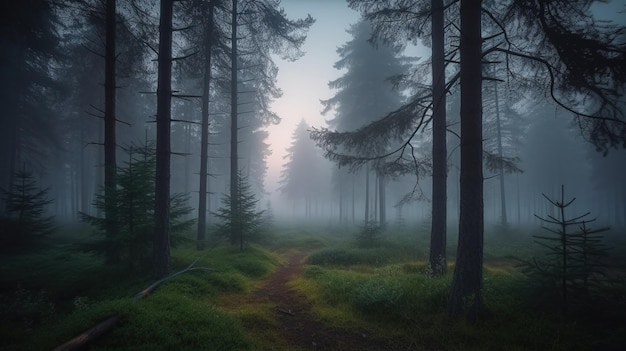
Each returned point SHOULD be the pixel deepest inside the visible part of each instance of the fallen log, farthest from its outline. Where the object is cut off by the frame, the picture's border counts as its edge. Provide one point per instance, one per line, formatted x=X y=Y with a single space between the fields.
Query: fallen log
x=89 y=335
x=110 y=322
x=148 y=290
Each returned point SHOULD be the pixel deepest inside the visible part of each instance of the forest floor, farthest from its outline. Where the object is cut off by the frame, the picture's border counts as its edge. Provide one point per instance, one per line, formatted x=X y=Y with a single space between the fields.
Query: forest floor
x=306 y=291
x=295 y=322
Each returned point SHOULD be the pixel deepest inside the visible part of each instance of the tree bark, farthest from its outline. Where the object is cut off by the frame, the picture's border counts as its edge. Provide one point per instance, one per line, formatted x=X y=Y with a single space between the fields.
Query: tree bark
x=465 y=295
x=110 y=162
x=161 y=244
x=503 y=217
x=382 y=201
x=367 y=194
x=204 y=133
x=234 y=176
x=437 y=257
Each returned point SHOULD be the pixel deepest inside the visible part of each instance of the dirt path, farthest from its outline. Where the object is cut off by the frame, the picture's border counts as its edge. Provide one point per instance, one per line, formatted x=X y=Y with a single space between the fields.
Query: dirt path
x=293 y=312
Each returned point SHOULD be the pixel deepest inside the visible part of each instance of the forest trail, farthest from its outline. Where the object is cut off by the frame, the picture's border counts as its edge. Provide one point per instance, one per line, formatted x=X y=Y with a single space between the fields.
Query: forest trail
x=294 y=322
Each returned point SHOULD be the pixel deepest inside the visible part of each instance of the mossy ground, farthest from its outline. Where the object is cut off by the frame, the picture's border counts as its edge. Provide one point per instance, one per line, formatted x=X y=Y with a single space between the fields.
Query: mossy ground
x=51 y=295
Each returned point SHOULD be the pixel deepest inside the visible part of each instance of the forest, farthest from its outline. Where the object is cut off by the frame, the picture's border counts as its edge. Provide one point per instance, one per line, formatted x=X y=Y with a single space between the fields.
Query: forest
x=454 y=185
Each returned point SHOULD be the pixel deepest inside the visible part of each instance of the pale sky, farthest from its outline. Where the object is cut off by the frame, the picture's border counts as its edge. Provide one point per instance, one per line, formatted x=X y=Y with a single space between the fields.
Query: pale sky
x=305 y=82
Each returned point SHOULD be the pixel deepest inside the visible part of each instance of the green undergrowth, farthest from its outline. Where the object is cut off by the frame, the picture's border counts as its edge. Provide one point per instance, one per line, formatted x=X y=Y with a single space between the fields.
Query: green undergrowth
x=398 y=303
x=64 y=297
x=305 y=239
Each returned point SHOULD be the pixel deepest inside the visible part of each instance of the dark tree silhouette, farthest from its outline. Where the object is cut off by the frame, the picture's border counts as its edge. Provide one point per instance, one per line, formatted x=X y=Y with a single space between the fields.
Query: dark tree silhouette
x=161 y=242
x=437 y=253
x=110 y=143
x=466 y=290
x=24 y=219
x=29 y=47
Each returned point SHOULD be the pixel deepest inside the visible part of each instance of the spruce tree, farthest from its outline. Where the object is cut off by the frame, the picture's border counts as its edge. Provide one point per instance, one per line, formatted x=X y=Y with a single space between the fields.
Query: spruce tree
x=133 y=204
x=573 y=261
x=243 y=222
x=24 y=219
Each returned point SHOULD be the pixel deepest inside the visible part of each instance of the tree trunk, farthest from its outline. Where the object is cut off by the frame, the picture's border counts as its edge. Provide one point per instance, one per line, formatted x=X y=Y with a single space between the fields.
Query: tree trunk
x=341 y=202
x=437 y=256
x=187 y=172
x=161 y=244
x=110 y=162
x=376 y=180
x=465 y=295
x=353 y=204
x=204 y=133
x=234 y=198
x=382 y=201
x=503 y=217
x=367 y=194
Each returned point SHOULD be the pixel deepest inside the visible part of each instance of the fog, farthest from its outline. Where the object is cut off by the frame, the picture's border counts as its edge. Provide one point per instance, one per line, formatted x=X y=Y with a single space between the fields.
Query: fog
x=552 y=153
x=61 y=144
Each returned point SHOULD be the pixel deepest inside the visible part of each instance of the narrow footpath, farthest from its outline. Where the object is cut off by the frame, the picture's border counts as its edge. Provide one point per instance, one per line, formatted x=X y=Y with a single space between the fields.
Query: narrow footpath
x=298 y=326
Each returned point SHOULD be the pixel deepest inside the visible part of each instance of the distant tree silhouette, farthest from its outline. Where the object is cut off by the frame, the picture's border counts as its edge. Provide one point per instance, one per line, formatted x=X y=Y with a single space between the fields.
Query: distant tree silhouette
x=24 y=220
x=28 y=49
x=300 y=177
x=364 y=93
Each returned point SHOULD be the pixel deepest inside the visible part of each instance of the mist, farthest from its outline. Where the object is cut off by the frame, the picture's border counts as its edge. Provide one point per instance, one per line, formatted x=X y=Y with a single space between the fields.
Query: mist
x=353 y=168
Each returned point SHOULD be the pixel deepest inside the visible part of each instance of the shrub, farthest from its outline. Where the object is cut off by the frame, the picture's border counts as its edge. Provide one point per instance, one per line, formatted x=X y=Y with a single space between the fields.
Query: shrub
x=369 y=235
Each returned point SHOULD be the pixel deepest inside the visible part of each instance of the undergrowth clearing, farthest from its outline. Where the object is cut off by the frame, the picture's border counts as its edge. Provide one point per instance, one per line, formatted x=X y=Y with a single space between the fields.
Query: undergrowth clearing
x=383 y=294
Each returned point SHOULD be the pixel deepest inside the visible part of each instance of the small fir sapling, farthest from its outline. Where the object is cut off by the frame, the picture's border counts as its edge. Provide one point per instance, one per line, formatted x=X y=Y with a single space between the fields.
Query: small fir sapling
x=572 y=263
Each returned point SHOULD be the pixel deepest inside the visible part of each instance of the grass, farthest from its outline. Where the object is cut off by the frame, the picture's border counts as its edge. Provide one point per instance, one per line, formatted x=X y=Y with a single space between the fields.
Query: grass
x=392 y=302
x=385 y=292
x=49 y=296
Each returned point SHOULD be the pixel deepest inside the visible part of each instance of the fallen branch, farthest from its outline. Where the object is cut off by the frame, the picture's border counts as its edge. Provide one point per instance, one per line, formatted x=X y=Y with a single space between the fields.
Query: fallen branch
x=89 y=335
x=286 y=312
x=147 y=291
x=106 y=325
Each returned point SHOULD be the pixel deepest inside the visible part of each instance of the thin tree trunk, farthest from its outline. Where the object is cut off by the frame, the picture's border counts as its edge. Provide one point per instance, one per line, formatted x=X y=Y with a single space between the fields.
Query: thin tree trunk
x=503 y=217
x=110 y=162
x=161 y=244
x=234 y=203
x=353 y=204
x=382 y=200
x=437 y=256
x=367 y=194
x=376 y=198
x=204 y=133
x=466 y=295
x=187 y=172
x=341 y=201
